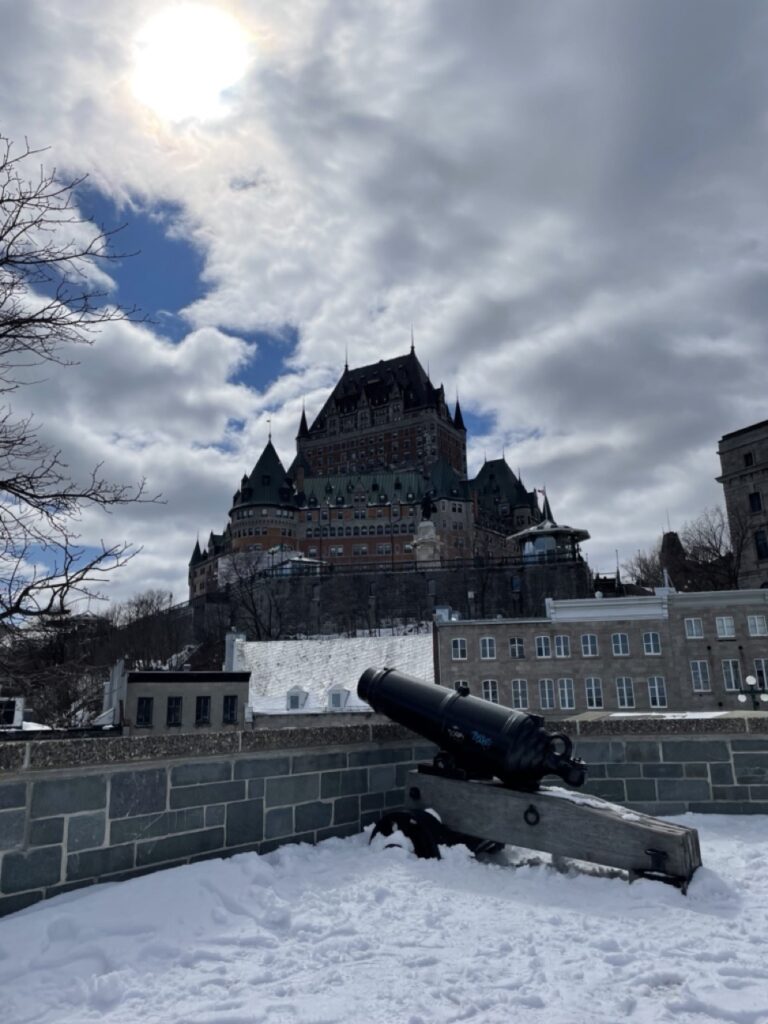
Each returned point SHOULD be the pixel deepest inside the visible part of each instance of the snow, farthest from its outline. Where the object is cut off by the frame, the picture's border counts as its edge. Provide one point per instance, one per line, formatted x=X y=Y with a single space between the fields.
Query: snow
x=344 y=932
x=319 y=664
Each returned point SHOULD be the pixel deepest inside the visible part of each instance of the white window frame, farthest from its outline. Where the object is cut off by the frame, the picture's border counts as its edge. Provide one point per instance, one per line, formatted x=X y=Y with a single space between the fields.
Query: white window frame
x=625 y=692
x=694 y=629
x=487 y=648
x=562 y=645
x=296 y=698
x=731 y=674
x=543 y=646
x=589 y=648
x=491 y=690
x=337 y=698
x=519 y=694
x=761 y=673
x=757 y=625
x=566 y=694
x=517 y=647
x=700 y=678
x=652 y=643
x=657 y=691
x=593 y=690
x=725 y=627
x=618 y=641
x=547 y=694
x=458 y=648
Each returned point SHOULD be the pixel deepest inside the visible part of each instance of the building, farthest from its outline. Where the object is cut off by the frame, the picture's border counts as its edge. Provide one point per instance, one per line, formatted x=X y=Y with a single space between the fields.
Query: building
x=667 y=652
x=162 y=701
x=744 y=476
x=383 y=453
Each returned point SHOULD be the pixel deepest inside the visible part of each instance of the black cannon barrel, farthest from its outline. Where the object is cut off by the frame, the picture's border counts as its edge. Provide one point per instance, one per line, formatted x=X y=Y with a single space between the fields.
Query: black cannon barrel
x=482 y=738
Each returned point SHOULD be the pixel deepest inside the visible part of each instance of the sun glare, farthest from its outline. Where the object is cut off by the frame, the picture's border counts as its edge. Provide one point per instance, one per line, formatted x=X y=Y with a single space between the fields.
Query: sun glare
x=186 y=57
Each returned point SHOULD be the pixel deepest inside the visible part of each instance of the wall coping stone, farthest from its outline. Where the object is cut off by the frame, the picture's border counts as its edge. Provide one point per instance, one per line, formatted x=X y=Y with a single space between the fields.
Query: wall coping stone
x=306 y=731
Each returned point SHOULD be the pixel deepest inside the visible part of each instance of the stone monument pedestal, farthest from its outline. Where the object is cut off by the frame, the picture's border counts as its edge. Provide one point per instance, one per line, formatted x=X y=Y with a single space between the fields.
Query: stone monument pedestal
x=427 y=544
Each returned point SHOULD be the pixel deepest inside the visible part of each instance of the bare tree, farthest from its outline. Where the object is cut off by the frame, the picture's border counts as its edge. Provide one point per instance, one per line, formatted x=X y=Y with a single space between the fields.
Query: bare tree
x=705 y=556
x=52 y=299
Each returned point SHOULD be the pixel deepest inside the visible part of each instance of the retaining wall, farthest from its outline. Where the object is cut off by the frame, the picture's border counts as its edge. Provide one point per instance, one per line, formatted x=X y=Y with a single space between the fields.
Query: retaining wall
x=76 y=812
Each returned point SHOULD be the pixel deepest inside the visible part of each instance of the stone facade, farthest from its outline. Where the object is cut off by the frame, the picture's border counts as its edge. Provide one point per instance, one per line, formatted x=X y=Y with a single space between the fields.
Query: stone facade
x=674 y=651
x=744 y=476
x=164 y=701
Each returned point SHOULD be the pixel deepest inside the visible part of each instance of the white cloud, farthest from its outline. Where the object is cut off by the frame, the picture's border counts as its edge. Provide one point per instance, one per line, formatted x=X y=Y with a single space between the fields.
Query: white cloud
x=566 y=202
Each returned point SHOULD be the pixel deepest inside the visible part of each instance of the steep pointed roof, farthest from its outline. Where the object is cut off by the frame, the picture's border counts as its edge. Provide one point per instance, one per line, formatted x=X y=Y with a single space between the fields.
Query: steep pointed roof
x=197 y=555
x=497 y=483
x=303 y=428
x=267 y=483
x=546 y=511
x=458 y=419
x=377 y=383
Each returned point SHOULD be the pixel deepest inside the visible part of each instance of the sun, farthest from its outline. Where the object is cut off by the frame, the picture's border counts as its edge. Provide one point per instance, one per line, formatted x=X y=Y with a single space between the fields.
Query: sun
x=186 y=57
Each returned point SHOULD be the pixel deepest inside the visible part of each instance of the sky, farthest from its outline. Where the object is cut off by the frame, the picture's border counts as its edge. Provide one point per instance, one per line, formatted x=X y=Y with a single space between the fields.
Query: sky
x=565 y=202
x=345 y=932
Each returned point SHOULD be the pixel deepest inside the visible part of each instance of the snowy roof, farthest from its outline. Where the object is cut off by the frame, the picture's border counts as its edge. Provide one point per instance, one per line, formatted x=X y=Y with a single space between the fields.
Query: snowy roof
x=323 y=664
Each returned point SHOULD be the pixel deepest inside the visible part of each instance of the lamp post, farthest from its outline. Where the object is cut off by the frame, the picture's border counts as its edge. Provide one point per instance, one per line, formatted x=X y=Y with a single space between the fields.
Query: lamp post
x=758 y=696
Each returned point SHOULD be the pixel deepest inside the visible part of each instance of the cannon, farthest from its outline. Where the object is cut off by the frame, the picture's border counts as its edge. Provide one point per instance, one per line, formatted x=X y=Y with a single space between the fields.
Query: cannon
x=477 y=739
x=484 y=788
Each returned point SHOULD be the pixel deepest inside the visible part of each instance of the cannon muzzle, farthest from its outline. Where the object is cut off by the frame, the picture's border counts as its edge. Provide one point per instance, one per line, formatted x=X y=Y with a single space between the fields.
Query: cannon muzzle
x=481 y=738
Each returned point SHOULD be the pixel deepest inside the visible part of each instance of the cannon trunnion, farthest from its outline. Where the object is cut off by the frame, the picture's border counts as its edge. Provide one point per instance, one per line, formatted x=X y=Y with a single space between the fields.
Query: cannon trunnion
x=484 y=788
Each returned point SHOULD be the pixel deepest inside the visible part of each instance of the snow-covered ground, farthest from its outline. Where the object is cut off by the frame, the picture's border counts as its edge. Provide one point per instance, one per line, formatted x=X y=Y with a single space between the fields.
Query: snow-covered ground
x=344 y=932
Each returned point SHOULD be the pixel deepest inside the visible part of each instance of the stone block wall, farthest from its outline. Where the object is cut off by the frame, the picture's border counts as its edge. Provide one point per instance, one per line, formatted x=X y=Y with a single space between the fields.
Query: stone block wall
x=77 y=823
x=79 y=811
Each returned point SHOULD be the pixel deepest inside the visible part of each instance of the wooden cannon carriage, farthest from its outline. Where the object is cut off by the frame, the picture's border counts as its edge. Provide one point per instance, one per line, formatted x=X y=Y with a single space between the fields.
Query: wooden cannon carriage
x=484 y=788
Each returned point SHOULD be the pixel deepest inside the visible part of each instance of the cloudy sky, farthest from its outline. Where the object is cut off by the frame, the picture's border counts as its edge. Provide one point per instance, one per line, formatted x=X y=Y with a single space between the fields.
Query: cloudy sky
x=566 y=200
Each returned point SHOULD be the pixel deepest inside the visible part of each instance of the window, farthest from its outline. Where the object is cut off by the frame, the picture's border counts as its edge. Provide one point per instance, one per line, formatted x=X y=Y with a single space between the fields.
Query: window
x=203 y=711
x=594 y=691
x=547 y=693
x=725 y=627
x=229 y=714
x=757 y=625
x=516 y=647
x=337 y=699
x=461 y=684
x=144 y=712
x=519 y=694
x=749 y=459
x=625 y=692
x=731 y=674
x=565 y=693
x=295 y=699
x=487 y=648
x=755 y=502
x=761 y=544
x=620 y=644
x=700 y=676
x=694 y=629
x=657 y=692
x=562 y=646
x=651 y=643
x=589 y=645
x=761 y=671
x=458 y=649
x=491 y=690
x=173 y=712
x=543 y=647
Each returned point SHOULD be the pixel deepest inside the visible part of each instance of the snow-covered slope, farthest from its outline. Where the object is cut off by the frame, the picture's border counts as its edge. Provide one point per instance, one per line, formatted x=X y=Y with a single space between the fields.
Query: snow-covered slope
x=346 y=933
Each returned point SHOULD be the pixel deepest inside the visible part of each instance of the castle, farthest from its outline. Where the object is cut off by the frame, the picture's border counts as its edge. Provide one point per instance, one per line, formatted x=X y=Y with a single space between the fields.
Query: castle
x=383 y=454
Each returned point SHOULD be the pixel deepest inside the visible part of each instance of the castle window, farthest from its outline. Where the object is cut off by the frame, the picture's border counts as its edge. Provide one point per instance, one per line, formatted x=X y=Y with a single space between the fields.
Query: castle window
x=589 y=645
x=520 y=694
x=620 y=644
x=700 y=676
x=458 y=649
x=143 y=713
x=516 y=647
x=202 y=711
x=491 y=690
x=173 y=712
x=547 y=694
x=657 y=692
x=694 y=629
x=594 y=692
x=565 y=693
x=652 y=643
x=487 y=648
x=625 y=692
x=756 y=624
x=725 y=627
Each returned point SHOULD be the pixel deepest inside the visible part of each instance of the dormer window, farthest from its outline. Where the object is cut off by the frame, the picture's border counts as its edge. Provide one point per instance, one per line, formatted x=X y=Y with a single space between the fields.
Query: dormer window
x=296 y=698
x=337 y=698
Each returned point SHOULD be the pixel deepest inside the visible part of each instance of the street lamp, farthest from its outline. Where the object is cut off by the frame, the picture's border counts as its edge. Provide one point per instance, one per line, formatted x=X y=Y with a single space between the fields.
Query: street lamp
x=751 y=684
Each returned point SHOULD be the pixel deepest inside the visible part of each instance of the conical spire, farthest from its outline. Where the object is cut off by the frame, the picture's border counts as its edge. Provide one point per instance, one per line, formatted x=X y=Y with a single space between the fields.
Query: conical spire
x=458 y=419
x=197 y=554
x=546 y=511
x=303 y=428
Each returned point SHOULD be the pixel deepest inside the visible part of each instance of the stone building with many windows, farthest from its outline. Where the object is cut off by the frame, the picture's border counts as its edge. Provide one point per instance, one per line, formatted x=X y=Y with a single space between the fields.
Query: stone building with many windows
x=669 y=652
x=384 y=452
x=744 y=476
